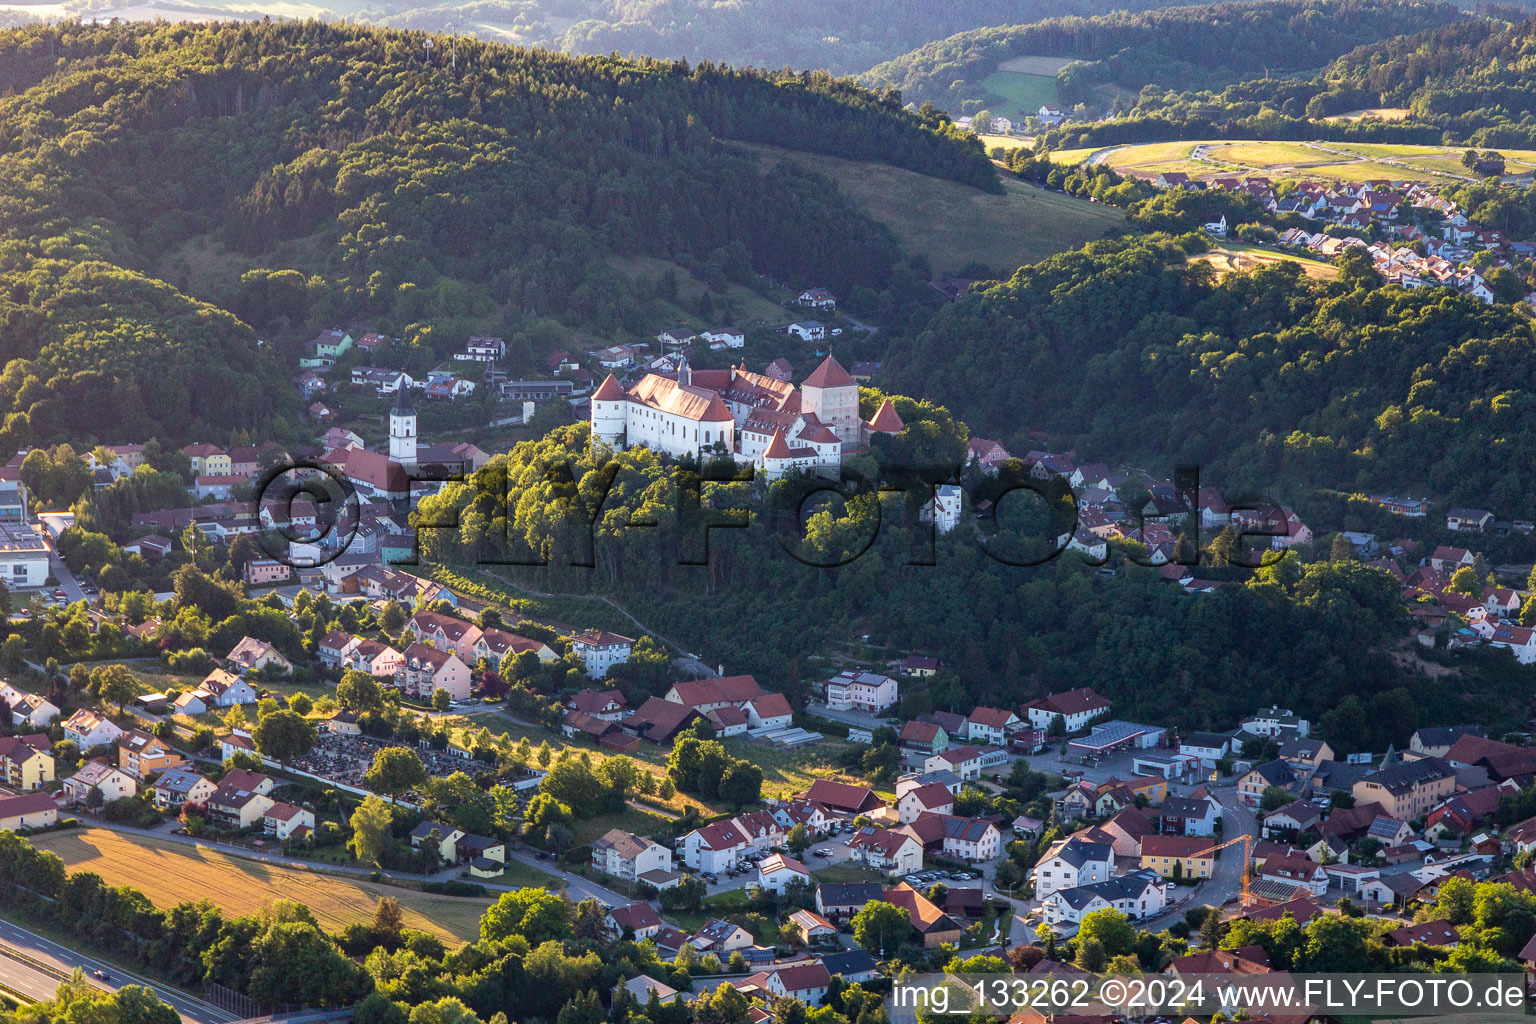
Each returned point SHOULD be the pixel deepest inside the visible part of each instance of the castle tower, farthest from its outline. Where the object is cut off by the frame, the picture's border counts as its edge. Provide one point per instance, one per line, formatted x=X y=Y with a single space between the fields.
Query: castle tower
x=402 y=428
x=610 y=417
x=833 y=395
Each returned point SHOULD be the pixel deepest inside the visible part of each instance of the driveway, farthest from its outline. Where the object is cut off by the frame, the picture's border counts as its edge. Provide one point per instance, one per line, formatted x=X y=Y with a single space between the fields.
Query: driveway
x=67 y=581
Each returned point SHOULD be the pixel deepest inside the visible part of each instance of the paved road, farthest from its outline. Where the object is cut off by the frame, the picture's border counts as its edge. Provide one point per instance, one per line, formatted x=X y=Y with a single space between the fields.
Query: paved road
x=34 y=979
x=67 y=581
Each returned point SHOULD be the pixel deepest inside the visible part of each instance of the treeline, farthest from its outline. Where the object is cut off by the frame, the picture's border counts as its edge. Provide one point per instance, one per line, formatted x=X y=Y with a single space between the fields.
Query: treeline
x=1175 y=47
x=1461 y=83
x=280 y=955
x=361 y=181
x=843 y=36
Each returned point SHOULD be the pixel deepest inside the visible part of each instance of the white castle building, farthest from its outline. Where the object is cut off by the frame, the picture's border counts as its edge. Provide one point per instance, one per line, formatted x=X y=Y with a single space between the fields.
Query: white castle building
x=752 y=417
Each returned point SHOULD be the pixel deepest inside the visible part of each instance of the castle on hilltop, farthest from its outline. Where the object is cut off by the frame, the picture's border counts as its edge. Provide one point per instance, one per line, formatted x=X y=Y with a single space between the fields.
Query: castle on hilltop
x=751 y=417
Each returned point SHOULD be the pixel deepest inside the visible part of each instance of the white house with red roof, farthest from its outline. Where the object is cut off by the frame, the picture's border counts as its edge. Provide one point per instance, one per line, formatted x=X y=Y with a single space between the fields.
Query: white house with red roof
x=991 y=725
x=600 y=650
x=1077 y=708
x=714 y=848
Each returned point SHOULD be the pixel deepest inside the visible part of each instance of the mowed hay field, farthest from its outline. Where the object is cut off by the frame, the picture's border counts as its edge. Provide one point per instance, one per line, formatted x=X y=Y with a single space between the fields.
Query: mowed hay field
x=170 y=873
x=953 y=224
x=1343 y=161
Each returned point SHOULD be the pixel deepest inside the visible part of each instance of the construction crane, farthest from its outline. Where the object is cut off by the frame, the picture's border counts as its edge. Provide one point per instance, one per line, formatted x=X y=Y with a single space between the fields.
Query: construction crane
x=1247 y=842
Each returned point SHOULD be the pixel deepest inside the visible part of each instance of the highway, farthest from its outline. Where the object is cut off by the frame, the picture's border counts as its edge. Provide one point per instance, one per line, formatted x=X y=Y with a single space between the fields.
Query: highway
x=34 y=966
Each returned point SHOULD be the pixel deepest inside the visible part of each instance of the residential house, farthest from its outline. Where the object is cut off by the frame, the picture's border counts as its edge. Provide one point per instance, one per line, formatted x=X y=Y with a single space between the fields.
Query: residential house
x=806 y=983
x=287 y=821
x=28 y=708
x=714 y=848
x=424 y=670
x=1408 y=789
x=98 y=774
x=1468 y=520
x=634 y=920
x=1072 y=862
x=842 y=797
x=933 y=925
x=1298 y=871
x=240 y=801
x=839 y=901
x=627 y=856
x=26 y=761
x=778 y=871
x=90 y=729
x=28 y=811
x=180 y=786
x=969 y=839
x=933 y=798
x=861 y=691
x=1179 y=857
x=142 y=755
x=706 y=695
x=1189 y=817
x=924 y=737
x=1077 y=709
x=1137 y=895
x=813 y=929
x=445 y=838
x=603 y=705
x=1438 y=932
x=991 y=725
x=1253 y=783
x=891 y=851
x=720 y=937
x=252 y=655
x=600 y=650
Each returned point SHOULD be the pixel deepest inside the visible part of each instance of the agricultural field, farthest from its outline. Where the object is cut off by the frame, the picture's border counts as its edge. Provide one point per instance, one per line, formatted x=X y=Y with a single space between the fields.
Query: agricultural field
x=170 y=873
x=954 y=225
x=1342 y=161
x=1234 y=256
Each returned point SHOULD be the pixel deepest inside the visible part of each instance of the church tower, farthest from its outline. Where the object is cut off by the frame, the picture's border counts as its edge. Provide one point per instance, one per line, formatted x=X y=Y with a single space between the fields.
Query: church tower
x=833 y=395
x=402 y=428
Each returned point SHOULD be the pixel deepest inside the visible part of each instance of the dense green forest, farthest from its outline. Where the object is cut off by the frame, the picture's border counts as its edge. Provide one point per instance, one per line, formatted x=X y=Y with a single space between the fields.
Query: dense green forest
x=1175 y=48
x=1268 y=379
x=1297 y=634
x=841 y=36
x=299 y=175
x=1462 y=83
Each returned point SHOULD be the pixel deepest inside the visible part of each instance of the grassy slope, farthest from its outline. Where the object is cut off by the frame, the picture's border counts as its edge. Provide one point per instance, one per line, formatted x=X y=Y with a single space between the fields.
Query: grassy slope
x=953 y=225
x=1025 y=93
x=170 y=873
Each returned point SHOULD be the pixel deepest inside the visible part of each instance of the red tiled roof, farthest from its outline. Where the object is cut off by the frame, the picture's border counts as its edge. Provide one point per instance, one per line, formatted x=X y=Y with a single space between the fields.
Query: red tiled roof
x=830 y=374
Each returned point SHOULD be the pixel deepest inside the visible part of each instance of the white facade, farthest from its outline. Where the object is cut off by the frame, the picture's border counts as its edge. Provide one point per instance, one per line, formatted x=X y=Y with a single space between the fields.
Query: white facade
x=944 y=510
x=1067 y=867
x=23 y=557
x=861 y=691
x=600 y=651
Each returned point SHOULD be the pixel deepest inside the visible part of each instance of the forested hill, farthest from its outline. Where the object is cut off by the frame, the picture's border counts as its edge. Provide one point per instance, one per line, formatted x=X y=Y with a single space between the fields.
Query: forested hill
x=1464 y=83
x=1269 y=381
x=1175 y=47
x=843 y=36
x=138 y=163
